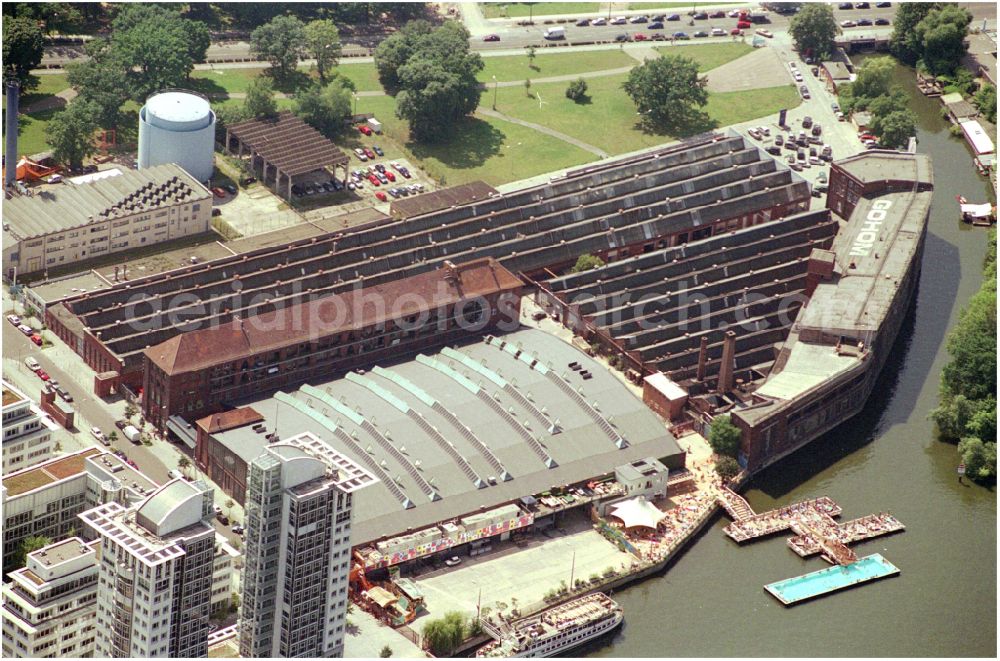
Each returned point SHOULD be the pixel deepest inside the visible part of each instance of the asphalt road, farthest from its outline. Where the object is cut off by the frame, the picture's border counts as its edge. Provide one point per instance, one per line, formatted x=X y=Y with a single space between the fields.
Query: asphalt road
x=516 y=36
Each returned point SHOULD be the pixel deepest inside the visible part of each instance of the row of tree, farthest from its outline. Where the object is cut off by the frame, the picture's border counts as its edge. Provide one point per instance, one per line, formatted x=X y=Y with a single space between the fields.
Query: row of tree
x=930 y=35
x=873 y=90
x=968 y=410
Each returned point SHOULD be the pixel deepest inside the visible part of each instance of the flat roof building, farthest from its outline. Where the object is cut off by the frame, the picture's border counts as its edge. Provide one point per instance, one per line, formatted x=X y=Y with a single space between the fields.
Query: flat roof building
x=452 y=433
x=63 y=224
x=50 y=605
x=27 y=432
x=155 y=587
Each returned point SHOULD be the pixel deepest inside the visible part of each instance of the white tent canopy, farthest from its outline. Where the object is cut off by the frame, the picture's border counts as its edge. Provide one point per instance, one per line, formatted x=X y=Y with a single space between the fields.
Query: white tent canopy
x=977 y=210
x=637 y=512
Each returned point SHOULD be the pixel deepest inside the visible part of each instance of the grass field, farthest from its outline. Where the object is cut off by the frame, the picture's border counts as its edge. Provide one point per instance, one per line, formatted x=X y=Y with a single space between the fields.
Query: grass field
x=671 y=5
x=709 y=56
x=230 y=81
x=518 y=9
x=609 y=120
x=362 y=74
x=516 y=67
x=494 y=151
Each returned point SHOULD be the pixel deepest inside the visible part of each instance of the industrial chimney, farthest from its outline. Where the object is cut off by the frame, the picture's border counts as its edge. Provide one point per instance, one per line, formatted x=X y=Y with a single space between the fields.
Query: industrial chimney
x=13 y=95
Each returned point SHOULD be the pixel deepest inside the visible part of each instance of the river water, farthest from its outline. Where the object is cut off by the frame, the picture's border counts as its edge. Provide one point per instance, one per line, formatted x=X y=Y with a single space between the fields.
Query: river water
x=711 y=601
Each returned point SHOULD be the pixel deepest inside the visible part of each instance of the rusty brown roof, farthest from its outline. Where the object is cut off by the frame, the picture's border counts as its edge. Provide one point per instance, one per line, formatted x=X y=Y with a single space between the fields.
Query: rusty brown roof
x=355 y=309
x=289 y=143
x=51 y=471
x=219 y=422
x=442 y=199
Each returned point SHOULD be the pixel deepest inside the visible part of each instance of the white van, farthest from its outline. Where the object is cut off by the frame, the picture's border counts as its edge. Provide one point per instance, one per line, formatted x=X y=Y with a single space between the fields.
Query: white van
x=32 y=363
x=555 y=33
x=132 y=434
x=718 y=32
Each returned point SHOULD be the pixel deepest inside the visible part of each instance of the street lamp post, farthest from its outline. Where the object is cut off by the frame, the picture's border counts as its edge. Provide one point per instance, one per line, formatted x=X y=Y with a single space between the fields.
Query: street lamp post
x=495 y=85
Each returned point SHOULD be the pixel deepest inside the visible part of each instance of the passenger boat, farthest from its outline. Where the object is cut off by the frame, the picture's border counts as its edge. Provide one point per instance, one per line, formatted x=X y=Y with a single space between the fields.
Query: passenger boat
x=553 y=631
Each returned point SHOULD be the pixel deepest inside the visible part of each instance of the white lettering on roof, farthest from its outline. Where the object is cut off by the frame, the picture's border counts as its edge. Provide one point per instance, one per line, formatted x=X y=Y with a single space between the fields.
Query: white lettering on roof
x=869 y=232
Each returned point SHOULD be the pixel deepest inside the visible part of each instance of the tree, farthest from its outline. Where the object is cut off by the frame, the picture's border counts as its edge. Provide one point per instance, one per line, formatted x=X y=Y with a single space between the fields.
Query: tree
x=71 y=133
x=895 y=129
x=394 y=52
x=986 y=100
x=972 y=370
x=61 y=17
x=577 y=90
x=385 y=652
x=531 y=56
x=130 y=410
x=28 y=545
x=727 y=468
x=940 y=37
x=980 y=458
x=325 y=107
x=23 y=44
x=183 y=463
x=527 y=87
x=199 y=39
x=875 y=77
x=323 y=43
x=235 y=601
x=113 y=436
x=156 y=46
x=229 y=506
x=260 y=98
x=814 y=29
x=102 y=79
x=667 y=91
x=437 y=84
x=587 y=262
x=281 y=42
x=903 y=43
x=445 y=634
x=724 y=436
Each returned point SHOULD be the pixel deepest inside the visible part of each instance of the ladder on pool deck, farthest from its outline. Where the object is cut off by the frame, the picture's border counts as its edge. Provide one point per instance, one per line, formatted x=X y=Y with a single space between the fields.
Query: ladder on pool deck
x=737 y=507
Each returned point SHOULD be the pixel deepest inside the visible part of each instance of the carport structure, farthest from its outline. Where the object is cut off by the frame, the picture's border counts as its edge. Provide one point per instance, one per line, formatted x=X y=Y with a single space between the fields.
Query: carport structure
x=287 y=145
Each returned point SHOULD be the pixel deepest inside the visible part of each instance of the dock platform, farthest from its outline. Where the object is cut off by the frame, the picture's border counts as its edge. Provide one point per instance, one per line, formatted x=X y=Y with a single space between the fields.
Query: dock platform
x=795 y=590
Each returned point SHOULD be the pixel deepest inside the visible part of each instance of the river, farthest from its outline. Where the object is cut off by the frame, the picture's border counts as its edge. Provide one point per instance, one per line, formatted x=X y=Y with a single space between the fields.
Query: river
x=711 y=601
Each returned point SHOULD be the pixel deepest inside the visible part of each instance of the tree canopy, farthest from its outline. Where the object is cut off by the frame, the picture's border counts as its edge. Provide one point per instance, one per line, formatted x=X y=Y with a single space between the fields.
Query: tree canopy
x=323 y=44
x=260 y=99
x=28 y=545
x=23 y=44
x=894 y=129
x=727 y=468
x=102 y=79
x=445 y=634
x=875 y=77
x=577 y=90
x=324 y=107
x=71 y=132
x=814 y=29
x=968 y=410
x=986 y=100
x=435 y=75
x=587 y=262
x=282 y=42
x=940 y=38
x=668 y=92
x=724 y=436
x=903 y=42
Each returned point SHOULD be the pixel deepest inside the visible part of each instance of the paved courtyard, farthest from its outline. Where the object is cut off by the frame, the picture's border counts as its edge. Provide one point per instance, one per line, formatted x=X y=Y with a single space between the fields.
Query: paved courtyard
x=525 y=575
x=366 y=637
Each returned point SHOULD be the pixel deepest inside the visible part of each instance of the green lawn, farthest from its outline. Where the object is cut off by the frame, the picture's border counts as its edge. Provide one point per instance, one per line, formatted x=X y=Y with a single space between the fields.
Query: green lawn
x=32 y=132
x=671 y=5
x=609 y=120
x=229 y=81
x=709 y=56
x=518 y=9
x=516 y=67
x=492 y=150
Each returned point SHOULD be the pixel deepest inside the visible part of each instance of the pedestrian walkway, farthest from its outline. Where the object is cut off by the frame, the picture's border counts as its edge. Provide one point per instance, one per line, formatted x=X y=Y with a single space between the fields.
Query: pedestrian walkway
x=543 y=129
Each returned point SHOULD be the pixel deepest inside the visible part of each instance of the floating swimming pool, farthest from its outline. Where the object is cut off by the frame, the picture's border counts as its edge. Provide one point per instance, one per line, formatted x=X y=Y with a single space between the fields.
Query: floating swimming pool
x=793 y=590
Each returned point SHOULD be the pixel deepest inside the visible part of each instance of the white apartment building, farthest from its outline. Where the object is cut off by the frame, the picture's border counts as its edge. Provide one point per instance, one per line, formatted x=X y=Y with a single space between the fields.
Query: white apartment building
x=50 y=606
x=223 y=573
x=155 y=573
x=62 y=224
x=44 y=500
x=27 y=432
x=298 y=549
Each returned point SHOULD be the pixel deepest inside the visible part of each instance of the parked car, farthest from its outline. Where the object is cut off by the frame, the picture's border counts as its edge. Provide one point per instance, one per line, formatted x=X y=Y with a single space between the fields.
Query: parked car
x=807 y=121
x=223 y=519
x=32 y=364
x=621 y=38
x=14 y=319
x=374 y=180
x=754 y=133
x=864 y=22
x=700 y=33
x=639 y=19
x=378 y=150
x=370 y=154
x=733 y=13
x=238 y=529
x=736 y=32
x=380 y=195
x=674 y=17
x=26 y=329
x=883 y=5
x=779 y=140
x=36 y=338
x=659 y=17
x=583 y=22
x=360 y=153
x=491 y=37
x=405 y=172
x=97 y=433
x=599 y=21
x=453 y=561
x=883 y=21
x=848 y=24
x=390 y=176
x=364 y=129
x=718 y=32
x=744 y=25
x=638 y=36
x=218 y=192
x=174 y=474
x=717 y=14
x=700 y=16
x=861 y=5
x=681 y=35
x=817 y=129
x=845 y=5
x=656 y=25
x=805 y=92
x=658 y=36
x=229 y=188
x=619 y=20
x=773 y=150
